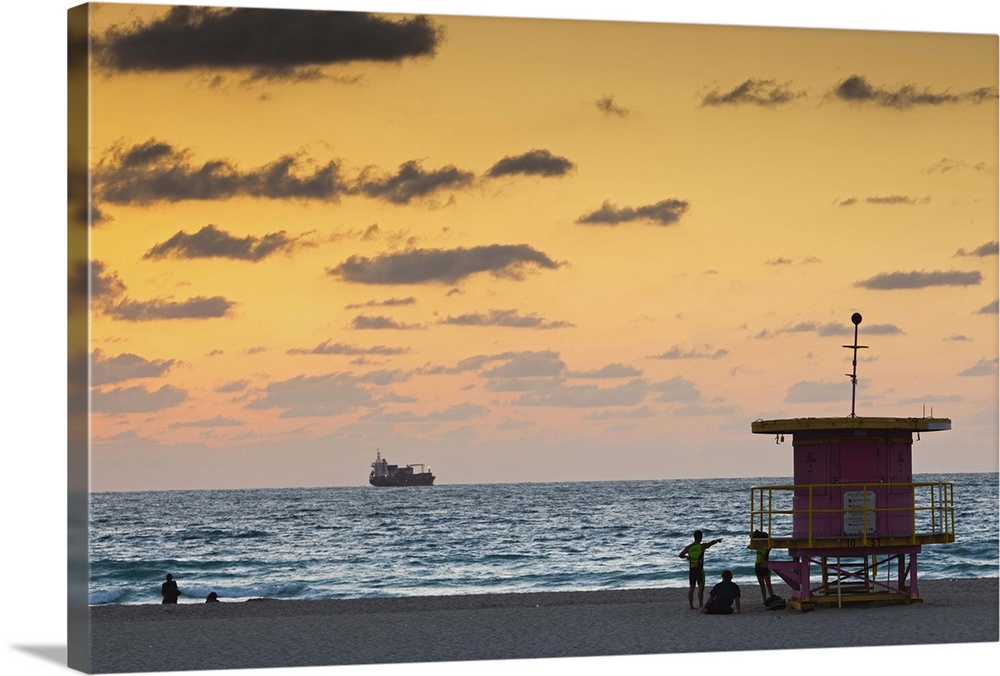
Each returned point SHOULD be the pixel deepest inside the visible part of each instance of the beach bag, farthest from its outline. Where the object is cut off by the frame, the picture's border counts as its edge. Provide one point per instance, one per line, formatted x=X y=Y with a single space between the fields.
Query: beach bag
x=775 y=603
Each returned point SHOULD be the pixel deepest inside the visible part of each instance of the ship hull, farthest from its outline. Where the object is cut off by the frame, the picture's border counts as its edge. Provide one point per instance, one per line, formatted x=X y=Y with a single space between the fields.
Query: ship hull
x=424 y=479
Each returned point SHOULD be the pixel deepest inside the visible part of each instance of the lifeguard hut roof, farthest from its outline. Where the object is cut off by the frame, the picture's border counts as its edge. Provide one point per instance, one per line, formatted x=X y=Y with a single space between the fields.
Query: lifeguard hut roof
x=849 y=423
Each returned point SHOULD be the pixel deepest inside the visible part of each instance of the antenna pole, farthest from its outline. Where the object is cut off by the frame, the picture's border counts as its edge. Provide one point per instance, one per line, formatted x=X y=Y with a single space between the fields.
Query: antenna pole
x=853 y=375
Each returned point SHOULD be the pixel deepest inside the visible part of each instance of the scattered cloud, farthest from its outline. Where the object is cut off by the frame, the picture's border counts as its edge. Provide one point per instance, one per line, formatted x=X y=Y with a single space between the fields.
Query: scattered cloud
x=826 y=329
x=390 y=302
x=891 y=200
x=379 y=323
x=233 y=387
x=920 y=279
x=607 y=105
x=136 y=399
x=610 y=371
x=211 y=242
x=198 y=307
x=665 y=212
x=947 y=166
x=545 y=363
x=983 y=250
x=983 y=367
x=585 y=396
x=754 y=91
x=411 y=182
x=217 y=421
x=806 y=392
x=676 y=389
x=312 y=396
x=989 y=308
x=126 y=366
x=857 y=89
x=270 y=40
x=110 y=298
x=532 y=163
x=443 y=266
x=155 y=171
x=457 y=413
x=326 y=347
x=505 y=318
x=677 y=352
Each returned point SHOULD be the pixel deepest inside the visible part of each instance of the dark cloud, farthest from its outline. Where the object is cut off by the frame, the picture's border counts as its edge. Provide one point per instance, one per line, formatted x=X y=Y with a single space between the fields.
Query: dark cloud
x=126 y=366
x=988 y=249
x=262 y=39
x=349 y=350
x=410 y=182
x=607 y=105
x=755 y=92
x=199 y=307
x=920 y=279
x=158 y=172
x=532 y=163
x=506 y=318
x=666 y=212
x=110 y=298
x=857 y=89
x=210 y=242
x=136 y=400
x=443 y=266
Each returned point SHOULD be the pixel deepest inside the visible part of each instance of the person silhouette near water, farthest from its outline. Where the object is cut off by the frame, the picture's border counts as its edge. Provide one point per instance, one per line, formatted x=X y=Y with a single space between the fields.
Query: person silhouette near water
x=169 y=590
x=212 y=598
x=695 y=554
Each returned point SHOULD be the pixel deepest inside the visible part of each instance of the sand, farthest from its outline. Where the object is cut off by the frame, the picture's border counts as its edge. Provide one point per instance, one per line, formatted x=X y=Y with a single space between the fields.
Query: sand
x=272 y=633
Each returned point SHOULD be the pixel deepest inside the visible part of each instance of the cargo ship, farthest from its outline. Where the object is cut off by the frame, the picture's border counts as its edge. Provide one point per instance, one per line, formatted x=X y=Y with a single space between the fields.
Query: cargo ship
x=384 y=474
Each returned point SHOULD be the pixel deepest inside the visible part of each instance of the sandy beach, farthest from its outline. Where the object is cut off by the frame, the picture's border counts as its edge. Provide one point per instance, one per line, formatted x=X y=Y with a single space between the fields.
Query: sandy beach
x=271 y=633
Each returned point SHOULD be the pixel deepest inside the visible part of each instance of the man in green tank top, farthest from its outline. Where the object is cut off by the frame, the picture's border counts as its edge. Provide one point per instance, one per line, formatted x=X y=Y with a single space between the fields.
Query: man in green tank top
x=695 y=554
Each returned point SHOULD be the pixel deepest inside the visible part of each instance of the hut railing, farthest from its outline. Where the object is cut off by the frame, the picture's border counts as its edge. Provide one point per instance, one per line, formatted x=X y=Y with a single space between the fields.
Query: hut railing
x=794 y=511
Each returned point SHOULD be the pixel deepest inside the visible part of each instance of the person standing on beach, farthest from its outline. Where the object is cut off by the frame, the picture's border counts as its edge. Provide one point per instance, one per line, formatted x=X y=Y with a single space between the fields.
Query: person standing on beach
x=695 y=554
x=722 y=596
x=761 y=569
x=169 y=590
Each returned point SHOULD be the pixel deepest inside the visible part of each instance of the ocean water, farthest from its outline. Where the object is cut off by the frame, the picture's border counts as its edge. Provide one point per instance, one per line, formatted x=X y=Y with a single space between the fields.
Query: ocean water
x=334 y=543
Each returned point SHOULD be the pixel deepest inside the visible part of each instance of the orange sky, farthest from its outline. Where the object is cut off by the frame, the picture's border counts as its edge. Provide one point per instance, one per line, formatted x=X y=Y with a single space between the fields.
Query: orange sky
x=530 y=250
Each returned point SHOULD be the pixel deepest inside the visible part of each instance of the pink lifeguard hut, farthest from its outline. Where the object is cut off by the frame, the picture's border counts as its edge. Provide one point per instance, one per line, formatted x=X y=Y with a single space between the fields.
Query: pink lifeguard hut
x=853 y=515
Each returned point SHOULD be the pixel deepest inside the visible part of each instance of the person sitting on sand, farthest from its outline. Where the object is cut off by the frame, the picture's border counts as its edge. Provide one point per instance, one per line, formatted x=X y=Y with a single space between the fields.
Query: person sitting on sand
x=212 y=598
x=760 y=567
x=722 y=596
x=169 y=590
x=695 y=554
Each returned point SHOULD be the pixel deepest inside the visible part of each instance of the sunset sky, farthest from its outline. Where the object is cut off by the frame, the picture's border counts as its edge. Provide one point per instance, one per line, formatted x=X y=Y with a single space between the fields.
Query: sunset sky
x=526 y=249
